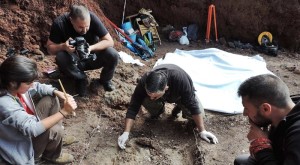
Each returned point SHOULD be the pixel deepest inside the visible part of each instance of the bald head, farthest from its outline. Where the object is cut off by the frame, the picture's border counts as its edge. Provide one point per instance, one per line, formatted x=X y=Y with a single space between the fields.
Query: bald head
x=79 y=11
x=80 y=19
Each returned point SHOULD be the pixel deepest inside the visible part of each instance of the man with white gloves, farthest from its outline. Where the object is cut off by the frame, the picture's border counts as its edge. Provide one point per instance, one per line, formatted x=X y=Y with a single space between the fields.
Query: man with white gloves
x=166 y=83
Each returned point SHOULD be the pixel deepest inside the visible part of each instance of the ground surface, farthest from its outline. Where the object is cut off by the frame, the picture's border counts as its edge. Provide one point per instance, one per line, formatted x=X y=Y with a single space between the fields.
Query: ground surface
x=100 y=120
x=100 y=116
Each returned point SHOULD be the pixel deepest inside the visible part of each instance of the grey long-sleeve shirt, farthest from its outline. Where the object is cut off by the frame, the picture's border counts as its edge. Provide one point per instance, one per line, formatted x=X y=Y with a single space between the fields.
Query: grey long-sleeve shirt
x=17 y=127
x=181 y=89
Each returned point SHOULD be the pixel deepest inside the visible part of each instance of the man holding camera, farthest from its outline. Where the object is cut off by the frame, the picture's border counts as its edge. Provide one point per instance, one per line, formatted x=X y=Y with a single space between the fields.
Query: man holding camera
x=81 y=42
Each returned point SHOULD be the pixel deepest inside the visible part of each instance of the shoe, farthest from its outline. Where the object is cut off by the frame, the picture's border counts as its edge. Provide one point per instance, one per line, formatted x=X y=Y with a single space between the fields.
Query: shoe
x=64 y=158
x=68 y=140
x=176 y=110
x=108 y=86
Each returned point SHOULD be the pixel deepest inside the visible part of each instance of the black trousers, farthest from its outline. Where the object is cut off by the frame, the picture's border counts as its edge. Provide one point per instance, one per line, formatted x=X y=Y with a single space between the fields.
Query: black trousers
x=108 y=59
x=244 y=159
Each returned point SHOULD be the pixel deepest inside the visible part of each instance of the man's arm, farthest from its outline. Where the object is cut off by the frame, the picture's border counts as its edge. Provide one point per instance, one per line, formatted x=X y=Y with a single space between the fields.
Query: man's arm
x=207 y=136
x=135 y=104
x=105 y=42
x=124 y=137
x=198 y=119
x=128 y=124
x=54 y=48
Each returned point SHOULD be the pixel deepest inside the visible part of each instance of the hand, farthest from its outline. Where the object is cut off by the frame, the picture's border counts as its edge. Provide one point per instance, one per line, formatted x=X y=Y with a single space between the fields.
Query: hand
x=209 y=137
x=256 y=132
x=69 y=48
x=69 y=106
x=89 y=49
x=122 y=139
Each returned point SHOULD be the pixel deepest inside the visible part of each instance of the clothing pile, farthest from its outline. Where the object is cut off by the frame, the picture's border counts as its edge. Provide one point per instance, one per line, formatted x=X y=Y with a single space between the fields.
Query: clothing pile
x=141 y=29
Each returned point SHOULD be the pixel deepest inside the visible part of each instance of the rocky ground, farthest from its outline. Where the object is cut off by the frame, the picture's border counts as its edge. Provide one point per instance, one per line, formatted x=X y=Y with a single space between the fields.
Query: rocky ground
x=100 y=115
x=100 y=119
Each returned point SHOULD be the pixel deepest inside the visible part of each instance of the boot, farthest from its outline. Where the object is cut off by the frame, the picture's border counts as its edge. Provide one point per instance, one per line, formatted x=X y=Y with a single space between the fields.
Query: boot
x=68 y=140
x=108 y=86
x=64 y=158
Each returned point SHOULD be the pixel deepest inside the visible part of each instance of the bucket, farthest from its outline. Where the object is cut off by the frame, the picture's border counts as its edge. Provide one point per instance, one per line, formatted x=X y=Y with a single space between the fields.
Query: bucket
x=133 y=37
x=127 y=27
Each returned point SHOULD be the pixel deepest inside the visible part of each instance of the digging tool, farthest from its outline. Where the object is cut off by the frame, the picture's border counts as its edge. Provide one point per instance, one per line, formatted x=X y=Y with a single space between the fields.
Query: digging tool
x=66 y=97
x=136 y=45
x=124 y=11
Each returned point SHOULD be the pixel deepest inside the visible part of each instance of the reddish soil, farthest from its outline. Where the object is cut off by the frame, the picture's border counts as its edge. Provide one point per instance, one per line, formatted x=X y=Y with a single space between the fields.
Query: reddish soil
x=100 y=116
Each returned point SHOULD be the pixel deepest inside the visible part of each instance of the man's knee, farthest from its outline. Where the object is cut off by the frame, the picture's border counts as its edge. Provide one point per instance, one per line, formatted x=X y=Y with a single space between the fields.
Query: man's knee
x=67 y=65
x=244 y=159
x=63 y=59
x=115 y=56
x=112 y=56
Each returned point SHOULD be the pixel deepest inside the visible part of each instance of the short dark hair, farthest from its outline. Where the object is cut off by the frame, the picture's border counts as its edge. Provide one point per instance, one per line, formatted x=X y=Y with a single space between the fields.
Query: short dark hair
x=156 y=81
x=265 y=88
x=16 y=69
x=79 y=11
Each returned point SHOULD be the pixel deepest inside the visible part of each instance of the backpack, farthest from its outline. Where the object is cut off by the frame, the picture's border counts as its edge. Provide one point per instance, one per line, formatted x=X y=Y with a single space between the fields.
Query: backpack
x=192 y=32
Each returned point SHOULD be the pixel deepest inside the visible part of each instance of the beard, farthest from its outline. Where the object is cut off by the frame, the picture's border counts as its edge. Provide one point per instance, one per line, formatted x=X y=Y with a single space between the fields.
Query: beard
x=260 y=121
x=82 y=33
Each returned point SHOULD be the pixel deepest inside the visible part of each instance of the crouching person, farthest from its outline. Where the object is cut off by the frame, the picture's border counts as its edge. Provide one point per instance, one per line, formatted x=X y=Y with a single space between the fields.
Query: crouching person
x=30 y=115
x=274 y=122
x=166 y=83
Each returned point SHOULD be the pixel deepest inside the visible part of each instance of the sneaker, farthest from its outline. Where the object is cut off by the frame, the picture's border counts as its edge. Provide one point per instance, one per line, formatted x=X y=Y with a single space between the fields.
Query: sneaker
x=176 y=110
x=68 y=140
x=108 y=86
x=64 y=158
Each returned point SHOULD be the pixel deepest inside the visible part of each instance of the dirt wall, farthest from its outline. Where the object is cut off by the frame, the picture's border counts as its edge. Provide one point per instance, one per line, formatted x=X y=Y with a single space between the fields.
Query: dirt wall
x=237 y=20
x=27 y=23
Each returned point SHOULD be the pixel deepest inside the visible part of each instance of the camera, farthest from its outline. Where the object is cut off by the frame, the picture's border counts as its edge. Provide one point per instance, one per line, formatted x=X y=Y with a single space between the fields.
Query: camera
x=81 y=48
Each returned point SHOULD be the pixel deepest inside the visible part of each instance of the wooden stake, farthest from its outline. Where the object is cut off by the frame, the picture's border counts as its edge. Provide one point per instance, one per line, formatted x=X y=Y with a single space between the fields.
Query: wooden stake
x=63 y=89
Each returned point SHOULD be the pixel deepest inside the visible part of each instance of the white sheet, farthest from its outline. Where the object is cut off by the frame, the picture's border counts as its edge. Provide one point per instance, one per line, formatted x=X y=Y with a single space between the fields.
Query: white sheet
x=217 y=75
x=126 y=58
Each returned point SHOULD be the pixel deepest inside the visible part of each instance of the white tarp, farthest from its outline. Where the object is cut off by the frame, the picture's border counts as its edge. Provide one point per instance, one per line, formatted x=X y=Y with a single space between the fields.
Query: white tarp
x=126 y=58
x=217 y=75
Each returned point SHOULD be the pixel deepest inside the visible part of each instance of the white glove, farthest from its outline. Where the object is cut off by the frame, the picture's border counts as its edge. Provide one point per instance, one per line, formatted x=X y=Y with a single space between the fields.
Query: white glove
x=209 y=137
x=122 y=139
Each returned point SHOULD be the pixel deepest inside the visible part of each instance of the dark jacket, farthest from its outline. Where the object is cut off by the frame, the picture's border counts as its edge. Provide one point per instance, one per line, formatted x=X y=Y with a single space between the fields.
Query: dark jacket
x=285 y=142
x=181 y=89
